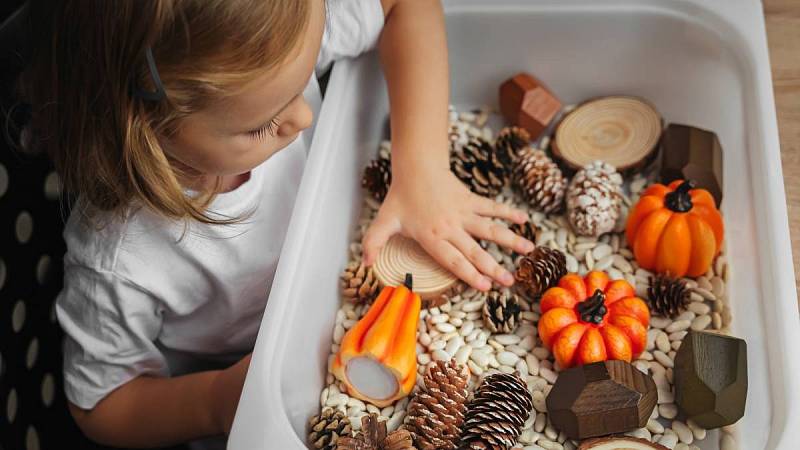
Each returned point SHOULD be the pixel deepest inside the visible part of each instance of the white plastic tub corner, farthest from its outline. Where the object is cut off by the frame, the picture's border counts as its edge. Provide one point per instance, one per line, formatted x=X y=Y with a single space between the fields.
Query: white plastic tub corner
x=701 y=62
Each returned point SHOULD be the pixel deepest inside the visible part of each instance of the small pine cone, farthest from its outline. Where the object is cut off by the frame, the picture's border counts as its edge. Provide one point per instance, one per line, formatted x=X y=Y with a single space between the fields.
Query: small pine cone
x=594 y=199
x=495 y=417
x=541 y=270
x=539 y=180
x=436 y=413
x=373 y=436
x=501 y=312
x=526 y=230
x=668 y=296
x=509 y=143
x=326 y=428
x=359 y=283
x=478 y=166
x=377 y=178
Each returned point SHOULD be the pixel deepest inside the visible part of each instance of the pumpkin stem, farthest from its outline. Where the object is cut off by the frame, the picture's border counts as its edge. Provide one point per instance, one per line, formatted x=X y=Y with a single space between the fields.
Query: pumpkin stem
x=409 y=282
x=680 y=200
x=593 y=309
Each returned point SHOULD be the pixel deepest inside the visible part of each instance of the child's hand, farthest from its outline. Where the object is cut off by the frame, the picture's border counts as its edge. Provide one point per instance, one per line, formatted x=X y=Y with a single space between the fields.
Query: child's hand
x=433 y=207
x=226 y=389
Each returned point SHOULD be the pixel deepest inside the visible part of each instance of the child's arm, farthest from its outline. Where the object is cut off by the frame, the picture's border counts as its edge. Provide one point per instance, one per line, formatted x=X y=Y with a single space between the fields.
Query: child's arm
x=149 y=411
x=426 y=201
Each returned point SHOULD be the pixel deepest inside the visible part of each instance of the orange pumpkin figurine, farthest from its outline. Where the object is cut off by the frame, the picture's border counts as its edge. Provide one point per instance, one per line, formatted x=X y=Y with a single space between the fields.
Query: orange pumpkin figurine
x=675 y=229
x=377 y=359
x=591 y=319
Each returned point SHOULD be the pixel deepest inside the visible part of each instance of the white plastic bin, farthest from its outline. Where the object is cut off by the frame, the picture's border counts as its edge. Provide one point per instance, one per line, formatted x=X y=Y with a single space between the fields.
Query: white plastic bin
x=701 y=62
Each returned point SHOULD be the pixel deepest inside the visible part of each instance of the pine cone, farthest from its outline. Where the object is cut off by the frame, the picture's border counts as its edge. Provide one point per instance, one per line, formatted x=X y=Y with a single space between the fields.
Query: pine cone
x=377 y=178
x=508 y=145
x=495 y=417
x=373 y=436
x=478 y=166
x=526 y=230
x=359 y=283
x=436 y=413
x=594 y=199
x=668 y=296
x=541 y=270
x=501 y=312
x=326 y=428
x=539 y=180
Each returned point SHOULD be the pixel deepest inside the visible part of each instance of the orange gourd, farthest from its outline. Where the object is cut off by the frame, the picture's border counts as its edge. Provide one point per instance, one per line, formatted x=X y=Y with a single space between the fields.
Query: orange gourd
x=591 y=319
x=675 y=229
x=377 y=358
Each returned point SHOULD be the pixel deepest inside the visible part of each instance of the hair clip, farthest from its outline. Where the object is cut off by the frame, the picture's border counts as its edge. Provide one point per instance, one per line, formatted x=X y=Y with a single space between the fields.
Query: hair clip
x=158 y=94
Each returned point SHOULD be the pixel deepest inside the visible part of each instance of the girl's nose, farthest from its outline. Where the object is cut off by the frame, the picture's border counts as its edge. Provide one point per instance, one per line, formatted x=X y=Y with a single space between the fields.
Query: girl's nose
x=298 y=117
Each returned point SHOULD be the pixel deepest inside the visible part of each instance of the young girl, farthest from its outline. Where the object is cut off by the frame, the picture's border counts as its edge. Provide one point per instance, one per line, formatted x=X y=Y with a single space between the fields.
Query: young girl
x=178 y=124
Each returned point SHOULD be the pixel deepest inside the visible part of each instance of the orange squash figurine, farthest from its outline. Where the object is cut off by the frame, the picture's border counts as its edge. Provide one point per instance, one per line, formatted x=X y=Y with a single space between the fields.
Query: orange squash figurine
x=591 y=319
x=675 y=230
x=377 y=359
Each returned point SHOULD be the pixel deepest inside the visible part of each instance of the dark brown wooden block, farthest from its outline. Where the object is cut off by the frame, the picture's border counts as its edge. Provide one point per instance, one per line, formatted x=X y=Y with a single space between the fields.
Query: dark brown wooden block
x=711 y=378
x=526 y=102
x=692 y=153
x=600 y=399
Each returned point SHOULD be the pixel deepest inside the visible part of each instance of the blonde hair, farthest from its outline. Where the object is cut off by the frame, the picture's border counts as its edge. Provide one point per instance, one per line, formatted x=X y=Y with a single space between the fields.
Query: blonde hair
x=89 y=56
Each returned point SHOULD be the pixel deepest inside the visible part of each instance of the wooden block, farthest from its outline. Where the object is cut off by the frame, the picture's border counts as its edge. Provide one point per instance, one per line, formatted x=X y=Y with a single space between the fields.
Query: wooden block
x=526 y=102
x=711 y=378
x=692 y=153
x=600 y=399
x=402 y=255
x=619 y=443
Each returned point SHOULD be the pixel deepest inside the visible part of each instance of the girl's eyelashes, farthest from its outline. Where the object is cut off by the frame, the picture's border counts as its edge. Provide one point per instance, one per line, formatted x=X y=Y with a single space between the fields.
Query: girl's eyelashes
x=270 y=128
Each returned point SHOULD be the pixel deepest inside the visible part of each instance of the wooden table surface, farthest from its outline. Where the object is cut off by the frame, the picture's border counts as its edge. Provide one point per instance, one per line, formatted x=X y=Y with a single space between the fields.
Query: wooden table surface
x=783 y=35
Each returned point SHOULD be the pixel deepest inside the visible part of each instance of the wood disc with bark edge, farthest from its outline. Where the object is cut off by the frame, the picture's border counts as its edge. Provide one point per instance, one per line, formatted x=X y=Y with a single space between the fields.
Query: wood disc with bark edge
x=402 y=255
x=622 y=131
x=619 y=443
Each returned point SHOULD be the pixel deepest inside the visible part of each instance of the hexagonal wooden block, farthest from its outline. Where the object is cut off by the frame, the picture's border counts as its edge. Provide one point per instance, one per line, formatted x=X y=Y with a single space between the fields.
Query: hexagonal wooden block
x=692 y=153
x=600 y=399
x=526 y=102
x=711 y=378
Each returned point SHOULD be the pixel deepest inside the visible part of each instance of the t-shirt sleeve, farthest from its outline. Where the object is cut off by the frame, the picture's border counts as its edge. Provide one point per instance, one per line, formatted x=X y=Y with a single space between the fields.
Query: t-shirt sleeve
x=110 y=327
x=352 y=28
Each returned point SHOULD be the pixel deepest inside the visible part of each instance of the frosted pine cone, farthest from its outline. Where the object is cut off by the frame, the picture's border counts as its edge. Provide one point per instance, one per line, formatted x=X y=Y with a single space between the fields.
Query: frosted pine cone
x=478 y=166
x=325 y=429
x=539 y=180
x=359 y=284
x=495 y=417
x=594 y=199
x=436 y=413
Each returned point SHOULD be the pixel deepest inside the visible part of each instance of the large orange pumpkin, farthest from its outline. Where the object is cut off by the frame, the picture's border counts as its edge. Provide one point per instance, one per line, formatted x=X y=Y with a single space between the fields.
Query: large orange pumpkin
x=675 y=229
x=377 y=359
x=591 y=319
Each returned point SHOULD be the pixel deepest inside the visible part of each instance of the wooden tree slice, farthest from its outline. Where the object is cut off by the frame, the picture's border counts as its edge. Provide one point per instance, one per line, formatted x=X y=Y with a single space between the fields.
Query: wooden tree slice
x=622 y=131
x=401 y=256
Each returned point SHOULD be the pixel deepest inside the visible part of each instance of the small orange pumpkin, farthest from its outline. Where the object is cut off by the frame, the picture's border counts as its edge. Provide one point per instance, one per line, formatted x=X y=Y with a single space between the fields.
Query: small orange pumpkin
x=591 y=319
x=377 y=358
x=675 y=229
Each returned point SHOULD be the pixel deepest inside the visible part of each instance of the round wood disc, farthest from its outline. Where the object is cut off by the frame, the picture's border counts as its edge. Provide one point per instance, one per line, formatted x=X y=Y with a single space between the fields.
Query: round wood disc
x=402 y=255
x=622 y=131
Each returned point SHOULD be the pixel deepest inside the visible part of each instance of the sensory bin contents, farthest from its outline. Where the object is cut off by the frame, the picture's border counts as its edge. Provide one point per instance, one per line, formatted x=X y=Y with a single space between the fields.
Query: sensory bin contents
x=583 y=352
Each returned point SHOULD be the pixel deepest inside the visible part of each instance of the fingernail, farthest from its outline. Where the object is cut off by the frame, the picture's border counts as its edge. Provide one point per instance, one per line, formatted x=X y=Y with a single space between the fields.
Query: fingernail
x=528 y=246
x=507 y=278
x=485 y=284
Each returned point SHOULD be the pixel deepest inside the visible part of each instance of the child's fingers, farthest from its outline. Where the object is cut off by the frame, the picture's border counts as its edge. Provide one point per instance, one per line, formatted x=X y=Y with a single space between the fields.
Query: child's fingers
x=489 y=208
x=449 y=257
x=481 y=259
x=379 y=232
x=489 y=230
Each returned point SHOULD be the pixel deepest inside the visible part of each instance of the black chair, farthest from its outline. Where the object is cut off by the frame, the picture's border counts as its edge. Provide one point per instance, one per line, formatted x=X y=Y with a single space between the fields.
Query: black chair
x=33 y=410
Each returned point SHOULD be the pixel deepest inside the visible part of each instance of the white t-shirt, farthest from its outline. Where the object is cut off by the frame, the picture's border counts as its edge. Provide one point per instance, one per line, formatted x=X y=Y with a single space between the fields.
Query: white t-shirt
x=138 y=299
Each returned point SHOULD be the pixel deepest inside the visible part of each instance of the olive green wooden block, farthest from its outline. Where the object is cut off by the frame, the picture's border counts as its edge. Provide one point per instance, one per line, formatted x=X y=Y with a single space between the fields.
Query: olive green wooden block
x=711 y=378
